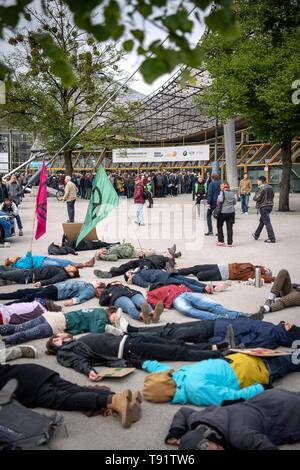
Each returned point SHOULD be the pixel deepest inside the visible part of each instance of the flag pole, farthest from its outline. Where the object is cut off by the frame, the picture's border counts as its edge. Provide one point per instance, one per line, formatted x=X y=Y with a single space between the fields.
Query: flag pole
x=32 y=233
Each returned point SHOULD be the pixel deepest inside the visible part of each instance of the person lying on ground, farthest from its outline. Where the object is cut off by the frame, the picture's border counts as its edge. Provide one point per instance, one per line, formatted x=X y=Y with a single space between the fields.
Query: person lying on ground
x=29 y=262
x=41 y=387
x=131 y=302
x=41 y=277
x=70 y=247
x=22 y=311
x=225 y=272
x=283 y=294
x=128 y=251
x=91 y=350
x=244 y=332
x=149 y=262
x=214 y=381
x=192 y=304
x=75 y=291
x=150 y=277
x=88 y=320
x=263 y=423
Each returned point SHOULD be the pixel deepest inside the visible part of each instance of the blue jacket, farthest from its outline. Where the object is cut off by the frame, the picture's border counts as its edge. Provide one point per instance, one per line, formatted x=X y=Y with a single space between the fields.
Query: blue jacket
x=213 y=192
x=254 y=333
x=29 y=261
x=79 y=291
x=205 y=383
x=145 y=277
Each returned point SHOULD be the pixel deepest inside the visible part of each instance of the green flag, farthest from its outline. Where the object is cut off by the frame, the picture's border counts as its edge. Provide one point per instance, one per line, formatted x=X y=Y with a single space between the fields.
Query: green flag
x=103 y=199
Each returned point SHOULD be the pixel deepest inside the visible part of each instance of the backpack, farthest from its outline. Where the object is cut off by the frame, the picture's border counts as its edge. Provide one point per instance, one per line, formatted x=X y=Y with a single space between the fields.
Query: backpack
x=20 y=427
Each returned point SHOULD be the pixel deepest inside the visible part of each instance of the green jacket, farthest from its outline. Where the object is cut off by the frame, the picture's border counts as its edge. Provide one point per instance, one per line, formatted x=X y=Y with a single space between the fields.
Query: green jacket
x=86 y=320
x=123 y=251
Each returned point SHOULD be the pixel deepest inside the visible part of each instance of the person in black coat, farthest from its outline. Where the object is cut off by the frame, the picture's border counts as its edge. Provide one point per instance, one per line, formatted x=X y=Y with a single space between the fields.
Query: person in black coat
x=130 y=301
x=43 y=276
x=149 y=262
x=3 y=190
x=42 y=387
x=264 y=422
x=69 y=247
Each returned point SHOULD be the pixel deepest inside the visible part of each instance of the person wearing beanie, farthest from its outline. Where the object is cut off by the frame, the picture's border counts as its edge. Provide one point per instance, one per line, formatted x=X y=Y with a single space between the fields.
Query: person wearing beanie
x=265 y=422
x=283 y=294
x=211 y=382
x=89 y=320
x=264 y=198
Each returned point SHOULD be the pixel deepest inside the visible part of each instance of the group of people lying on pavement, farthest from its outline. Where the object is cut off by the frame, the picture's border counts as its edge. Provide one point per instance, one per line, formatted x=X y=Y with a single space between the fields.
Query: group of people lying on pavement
x=224 y=380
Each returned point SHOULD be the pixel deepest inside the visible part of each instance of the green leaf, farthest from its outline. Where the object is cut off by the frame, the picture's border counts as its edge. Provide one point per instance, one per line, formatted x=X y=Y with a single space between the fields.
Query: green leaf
x=153 y=68
x=138 y=34
x=145 y=9
x=128 y=45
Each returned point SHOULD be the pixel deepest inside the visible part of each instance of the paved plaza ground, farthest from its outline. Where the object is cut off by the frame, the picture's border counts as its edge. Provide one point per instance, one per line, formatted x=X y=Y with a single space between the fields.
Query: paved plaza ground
x=171 y=219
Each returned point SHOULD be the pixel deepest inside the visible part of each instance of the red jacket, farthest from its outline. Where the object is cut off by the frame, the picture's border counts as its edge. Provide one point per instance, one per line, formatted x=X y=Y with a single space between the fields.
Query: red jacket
x=139 y=194
x=167 y=294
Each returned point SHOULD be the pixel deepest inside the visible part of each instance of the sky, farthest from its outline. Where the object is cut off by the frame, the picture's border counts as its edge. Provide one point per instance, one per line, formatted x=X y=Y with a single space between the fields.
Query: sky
x=131 y=61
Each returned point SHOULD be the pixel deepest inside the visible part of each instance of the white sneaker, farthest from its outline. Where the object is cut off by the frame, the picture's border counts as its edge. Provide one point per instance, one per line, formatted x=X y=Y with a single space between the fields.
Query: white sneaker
x=121 y=323
x=112 y=330
x=246 y=213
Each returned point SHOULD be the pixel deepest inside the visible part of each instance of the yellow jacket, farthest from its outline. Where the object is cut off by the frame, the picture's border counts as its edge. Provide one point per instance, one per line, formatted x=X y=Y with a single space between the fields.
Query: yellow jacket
x=249 y=369
x=245 y=186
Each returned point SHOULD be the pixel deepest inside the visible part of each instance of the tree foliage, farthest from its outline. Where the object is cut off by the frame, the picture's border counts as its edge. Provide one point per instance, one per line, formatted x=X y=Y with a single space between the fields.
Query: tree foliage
x=253 y=75
x=122 y=21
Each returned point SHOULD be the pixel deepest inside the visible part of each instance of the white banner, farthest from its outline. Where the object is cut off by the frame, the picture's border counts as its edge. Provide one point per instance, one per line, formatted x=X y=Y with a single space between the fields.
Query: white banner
x=4 y=161
x=161 y=154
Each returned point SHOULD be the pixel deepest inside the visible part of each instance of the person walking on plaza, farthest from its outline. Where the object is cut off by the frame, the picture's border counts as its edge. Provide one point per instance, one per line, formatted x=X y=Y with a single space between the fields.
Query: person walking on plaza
x=212 y=197
x=70 y=197
x=139 y=201
x=283 y=294
x=227 y=200
x=264 y=198
x=199 y=192
x=245 y=189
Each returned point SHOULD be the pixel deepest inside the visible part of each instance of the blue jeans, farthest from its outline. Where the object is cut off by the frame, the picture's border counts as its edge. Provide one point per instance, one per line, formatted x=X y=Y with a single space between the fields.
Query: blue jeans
x=199 y=306
x=195 y=286
x=244 y=202
x=34 y=329
x=57 y=262
x=280 y=367
x=132 y=305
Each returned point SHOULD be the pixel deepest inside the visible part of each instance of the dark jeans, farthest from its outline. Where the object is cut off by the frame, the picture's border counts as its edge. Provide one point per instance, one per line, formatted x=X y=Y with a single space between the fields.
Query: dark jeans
x=197 y=332
x=59 y=394
x=160 y=349
x=280 y=367
x=209 y=218
x=71 y=210
x=34 y=329
x=119 y=271
x=28 y=295
x=265 y=221
x=195 y=286
x=20 y=276
x=19 y=223
x=204 y=272
x=229 y=220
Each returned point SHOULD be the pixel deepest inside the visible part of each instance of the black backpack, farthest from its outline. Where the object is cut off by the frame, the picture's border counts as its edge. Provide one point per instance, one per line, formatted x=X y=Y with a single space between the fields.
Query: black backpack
x=20 y=427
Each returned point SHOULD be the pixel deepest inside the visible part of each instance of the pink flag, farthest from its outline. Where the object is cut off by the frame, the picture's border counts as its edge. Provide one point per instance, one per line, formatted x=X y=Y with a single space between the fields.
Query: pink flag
x=41 y=204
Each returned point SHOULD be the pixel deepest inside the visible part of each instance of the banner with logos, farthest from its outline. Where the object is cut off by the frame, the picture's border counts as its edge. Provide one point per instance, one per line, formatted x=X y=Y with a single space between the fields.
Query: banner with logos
x=161 y=154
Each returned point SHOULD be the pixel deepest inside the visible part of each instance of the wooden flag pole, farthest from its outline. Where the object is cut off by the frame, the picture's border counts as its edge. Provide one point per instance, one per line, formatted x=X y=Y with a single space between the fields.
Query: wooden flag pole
x=32 y=233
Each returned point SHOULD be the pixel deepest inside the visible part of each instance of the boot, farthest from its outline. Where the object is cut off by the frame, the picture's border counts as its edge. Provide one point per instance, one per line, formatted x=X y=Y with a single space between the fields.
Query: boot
x=122 y=404
x=102 y=274
x=259 y=315
x=50 y=306
x=230 y=337
x=177 y=255
x=159 y=308
x=172 y=250
x=20 y=233
x=145 y=317
x=90 y=263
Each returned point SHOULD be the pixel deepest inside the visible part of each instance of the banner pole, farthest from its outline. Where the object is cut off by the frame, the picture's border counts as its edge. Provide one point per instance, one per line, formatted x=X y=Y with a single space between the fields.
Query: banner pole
x=32 y=233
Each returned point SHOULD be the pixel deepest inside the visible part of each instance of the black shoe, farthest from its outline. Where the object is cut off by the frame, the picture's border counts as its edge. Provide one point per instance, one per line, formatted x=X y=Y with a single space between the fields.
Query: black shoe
x=230 y=336
x=270 y=241
x=208 y=234
x=50 y=306
x=254 y=236
x=259 y=315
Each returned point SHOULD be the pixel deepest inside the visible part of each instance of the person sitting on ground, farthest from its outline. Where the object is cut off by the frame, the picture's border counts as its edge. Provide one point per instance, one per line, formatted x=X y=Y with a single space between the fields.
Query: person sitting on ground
x=11 y=208
x=149 y=262
x=41 y=387
x=75 y=291
x=283 y=294
x=263 y=423
x=43 y=276
x=214 y=381
x=193 y=304
x=151 y=277
x=29 y=262
x=130 y=301
x=219 y=333
x=128 y=251
x=91 y=350
x=89 y=320
x=70 y=247
x=225 y=272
